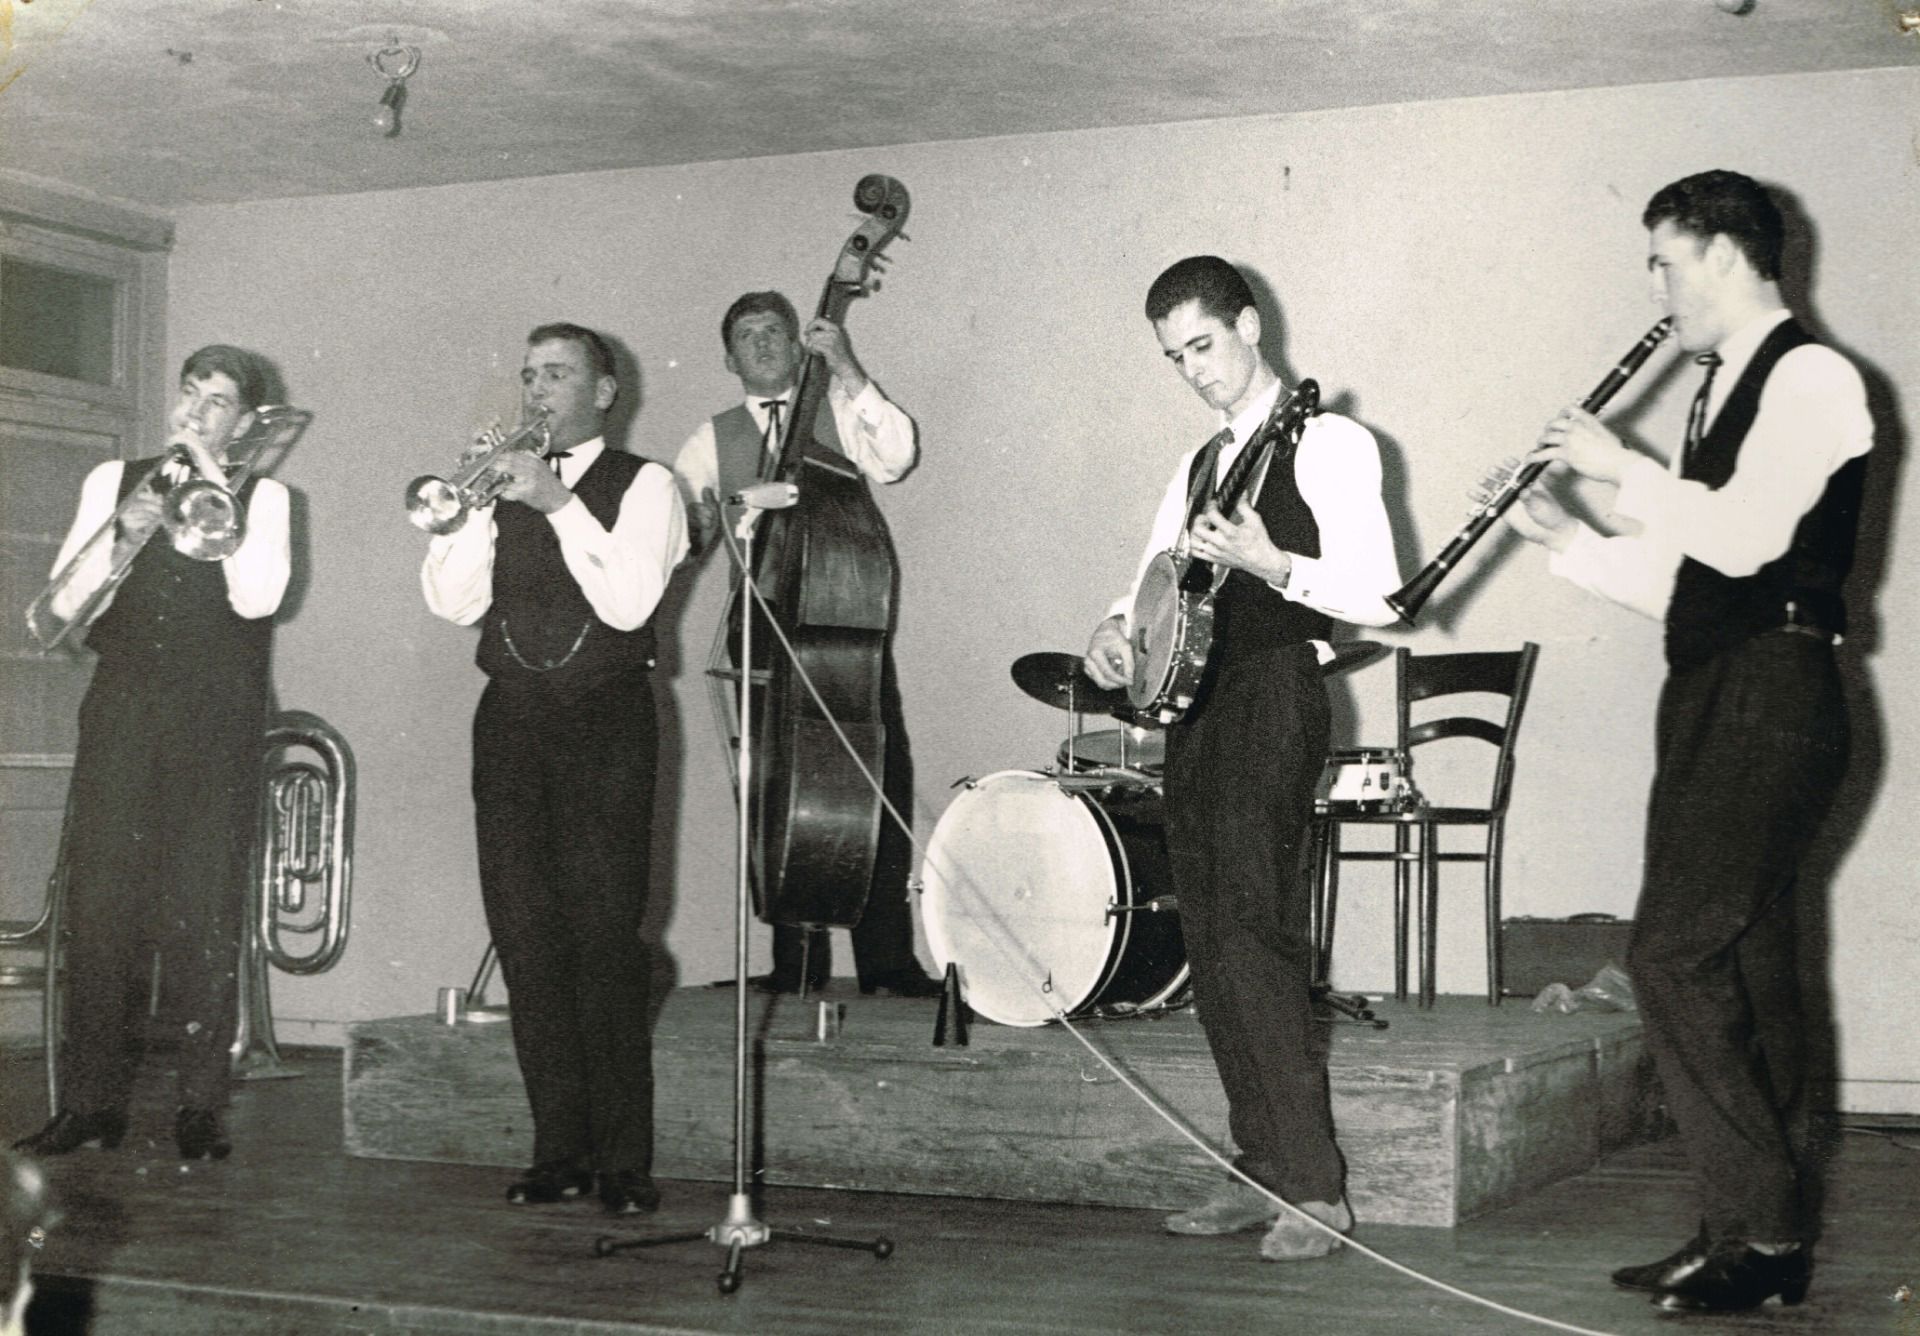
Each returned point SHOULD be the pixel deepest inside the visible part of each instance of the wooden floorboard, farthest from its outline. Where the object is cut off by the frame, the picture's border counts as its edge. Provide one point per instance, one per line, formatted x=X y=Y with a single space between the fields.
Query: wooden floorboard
x=291 y=1236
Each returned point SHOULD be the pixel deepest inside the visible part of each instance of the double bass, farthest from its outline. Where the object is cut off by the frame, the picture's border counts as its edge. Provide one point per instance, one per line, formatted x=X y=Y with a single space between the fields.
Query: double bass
x=826 y=570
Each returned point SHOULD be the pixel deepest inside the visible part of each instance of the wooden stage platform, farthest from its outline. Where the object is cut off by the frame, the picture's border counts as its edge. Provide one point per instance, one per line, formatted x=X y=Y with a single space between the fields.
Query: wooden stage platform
x=1444 y=1115
x=291 y=1237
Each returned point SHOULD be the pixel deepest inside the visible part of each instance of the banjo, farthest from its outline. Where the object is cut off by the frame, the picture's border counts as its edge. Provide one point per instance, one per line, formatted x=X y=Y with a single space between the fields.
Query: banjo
x=1172 y=616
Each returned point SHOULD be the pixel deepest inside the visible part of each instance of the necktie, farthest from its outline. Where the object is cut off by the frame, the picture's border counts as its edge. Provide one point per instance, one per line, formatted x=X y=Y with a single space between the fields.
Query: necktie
x=1206 y=464
x=772 y=407
x=554 y=457
x=1697 y=415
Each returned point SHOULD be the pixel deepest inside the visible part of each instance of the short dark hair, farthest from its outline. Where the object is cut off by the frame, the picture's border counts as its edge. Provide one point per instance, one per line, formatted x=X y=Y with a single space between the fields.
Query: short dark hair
x=753 y=303
x=25 y=1216
x=1221 y=290
x=599 y=355
x=1710 y=204
x=251 y=373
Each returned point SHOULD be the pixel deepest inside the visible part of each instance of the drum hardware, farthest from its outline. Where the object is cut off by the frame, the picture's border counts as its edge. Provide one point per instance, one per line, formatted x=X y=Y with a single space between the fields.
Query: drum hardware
x=950 y=1026
x=1351 y=1005
x=1366 y=779
x=1160 y=904
x=1058 y=680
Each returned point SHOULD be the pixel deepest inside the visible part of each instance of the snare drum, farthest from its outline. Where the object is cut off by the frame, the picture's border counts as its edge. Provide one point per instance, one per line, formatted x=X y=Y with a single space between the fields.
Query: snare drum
x=1133 y=748
x=1037 y=893
x=1363 y=779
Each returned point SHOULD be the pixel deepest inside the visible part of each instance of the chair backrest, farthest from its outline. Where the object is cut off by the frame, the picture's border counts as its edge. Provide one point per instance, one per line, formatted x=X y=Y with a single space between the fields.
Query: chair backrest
x=1506 y=673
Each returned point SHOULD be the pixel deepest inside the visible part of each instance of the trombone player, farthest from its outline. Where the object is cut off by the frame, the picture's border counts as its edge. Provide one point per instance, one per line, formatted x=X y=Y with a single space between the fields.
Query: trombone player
x=160 y=818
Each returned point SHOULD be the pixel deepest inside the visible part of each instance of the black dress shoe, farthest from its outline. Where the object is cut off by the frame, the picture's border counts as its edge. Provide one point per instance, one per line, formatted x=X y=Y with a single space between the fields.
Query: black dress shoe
x=68 y=1131
x=1659 y=1277
x=1735 y=1277
x=629 y=1192
x=200 y=1135
x=909 y=982
x=544 y=1184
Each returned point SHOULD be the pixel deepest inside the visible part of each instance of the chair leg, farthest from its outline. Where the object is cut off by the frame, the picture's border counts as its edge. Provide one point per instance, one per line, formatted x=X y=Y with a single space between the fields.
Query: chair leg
x=1402 y=874
x=1495 y=986
x=1429 y=910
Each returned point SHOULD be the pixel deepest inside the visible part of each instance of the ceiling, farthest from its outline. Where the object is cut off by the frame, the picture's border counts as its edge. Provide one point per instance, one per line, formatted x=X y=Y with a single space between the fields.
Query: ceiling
x=167 y=103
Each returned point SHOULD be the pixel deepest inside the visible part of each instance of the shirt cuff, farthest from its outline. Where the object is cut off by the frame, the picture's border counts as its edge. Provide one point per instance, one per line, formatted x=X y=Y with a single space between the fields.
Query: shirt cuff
x=1643 y=485
x=567 y=521
x=1581 y=555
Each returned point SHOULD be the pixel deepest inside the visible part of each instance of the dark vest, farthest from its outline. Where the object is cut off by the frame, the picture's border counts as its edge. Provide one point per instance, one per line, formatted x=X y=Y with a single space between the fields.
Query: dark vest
x=170 y=618
x=1711 y=612
x=1251 y=619
x=540 y=627
x=742 y=456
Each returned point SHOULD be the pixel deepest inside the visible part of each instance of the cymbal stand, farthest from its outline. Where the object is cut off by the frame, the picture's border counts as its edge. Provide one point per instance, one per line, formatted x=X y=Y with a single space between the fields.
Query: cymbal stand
x=741 y=1228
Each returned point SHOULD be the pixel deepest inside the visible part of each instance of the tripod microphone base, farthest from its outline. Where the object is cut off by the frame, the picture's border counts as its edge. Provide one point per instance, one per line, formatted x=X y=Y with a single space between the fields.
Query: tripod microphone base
x=740 y=1231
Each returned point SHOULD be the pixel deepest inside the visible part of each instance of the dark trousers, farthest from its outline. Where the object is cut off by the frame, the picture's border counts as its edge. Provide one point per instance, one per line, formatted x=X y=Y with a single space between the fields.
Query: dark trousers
x=1752 y=746
x=563 y=797
x=159 y=838
x=883 y=938
x=1240 y=777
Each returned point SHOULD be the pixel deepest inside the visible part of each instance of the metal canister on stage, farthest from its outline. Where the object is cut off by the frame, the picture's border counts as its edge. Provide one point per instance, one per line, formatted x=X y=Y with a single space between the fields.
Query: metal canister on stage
x=831 y=1017
x=453 y=1005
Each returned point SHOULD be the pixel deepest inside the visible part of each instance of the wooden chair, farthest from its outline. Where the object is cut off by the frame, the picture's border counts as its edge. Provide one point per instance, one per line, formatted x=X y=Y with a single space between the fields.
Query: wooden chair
x=1416 y=823
x=30 y=960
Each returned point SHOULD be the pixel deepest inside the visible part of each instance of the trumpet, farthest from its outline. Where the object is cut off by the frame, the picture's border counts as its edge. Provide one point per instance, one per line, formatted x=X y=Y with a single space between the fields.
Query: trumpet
x=439 y=505
x=203 y=519
x=1410 y=597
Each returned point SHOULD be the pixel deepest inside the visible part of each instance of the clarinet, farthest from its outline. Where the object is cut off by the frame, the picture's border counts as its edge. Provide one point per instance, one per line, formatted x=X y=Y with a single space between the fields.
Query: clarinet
x=1412 y=596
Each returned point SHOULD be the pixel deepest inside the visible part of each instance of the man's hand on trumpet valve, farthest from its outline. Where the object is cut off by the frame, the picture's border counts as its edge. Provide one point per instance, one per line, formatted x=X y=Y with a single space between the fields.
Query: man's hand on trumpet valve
x=534 y=482
x=1109 y=659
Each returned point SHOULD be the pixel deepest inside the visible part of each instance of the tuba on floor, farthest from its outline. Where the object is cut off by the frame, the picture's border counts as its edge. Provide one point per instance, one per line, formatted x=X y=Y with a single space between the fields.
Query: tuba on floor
x=299 y=913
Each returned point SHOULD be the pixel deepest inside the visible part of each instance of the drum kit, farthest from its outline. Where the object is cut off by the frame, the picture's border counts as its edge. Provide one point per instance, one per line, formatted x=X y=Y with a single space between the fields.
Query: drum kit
x=1049 y=889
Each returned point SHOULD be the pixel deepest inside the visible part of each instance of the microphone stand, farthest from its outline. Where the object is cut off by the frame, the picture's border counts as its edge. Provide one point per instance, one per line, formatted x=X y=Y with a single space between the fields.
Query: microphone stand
x=741 y=1228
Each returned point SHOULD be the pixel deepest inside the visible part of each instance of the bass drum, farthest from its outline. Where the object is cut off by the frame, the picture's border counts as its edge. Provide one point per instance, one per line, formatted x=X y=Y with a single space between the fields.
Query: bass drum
x=1020 y=887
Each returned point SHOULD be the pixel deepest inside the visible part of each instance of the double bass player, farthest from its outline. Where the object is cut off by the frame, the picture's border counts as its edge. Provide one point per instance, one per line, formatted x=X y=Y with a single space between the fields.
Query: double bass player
x=766 y=347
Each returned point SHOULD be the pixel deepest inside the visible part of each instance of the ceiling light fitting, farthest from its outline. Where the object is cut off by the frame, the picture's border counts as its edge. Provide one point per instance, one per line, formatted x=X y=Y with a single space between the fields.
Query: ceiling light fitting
x=394 y=63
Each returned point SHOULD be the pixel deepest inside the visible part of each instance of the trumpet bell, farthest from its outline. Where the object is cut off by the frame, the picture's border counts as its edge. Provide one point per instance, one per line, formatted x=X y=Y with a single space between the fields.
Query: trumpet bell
x=434 y=505
x=203 y=521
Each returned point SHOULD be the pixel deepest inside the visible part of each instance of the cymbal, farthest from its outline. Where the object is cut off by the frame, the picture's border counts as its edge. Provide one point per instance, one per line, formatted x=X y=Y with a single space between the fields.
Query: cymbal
x=1057 y=680
x=1351 y=654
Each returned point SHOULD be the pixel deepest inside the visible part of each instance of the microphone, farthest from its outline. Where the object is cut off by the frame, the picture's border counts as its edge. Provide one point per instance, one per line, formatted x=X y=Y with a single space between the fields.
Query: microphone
x=767 y=496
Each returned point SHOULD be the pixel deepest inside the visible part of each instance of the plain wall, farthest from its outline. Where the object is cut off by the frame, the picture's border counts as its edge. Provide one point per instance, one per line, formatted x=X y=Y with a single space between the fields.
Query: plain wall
x=1451 y=273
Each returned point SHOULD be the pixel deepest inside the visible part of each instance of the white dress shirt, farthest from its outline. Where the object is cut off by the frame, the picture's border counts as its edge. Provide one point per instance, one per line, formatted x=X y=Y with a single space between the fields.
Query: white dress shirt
x=1337 y=469
x=874 y=433
x=1812 y=419
x=622 y=571
x=256 y=573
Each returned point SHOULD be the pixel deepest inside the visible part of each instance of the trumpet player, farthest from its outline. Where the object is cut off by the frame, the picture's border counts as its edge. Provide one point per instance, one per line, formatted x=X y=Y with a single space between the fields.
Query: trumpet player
x=1740 y=547
x=563 y=573
x=160 y=818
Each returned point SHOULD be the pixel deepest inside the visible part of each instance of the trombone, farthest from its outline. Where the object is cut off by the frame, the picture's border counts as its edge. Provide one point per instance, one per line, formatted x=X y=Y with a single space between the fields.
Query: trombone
x=203 y=520
x=438 y=505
